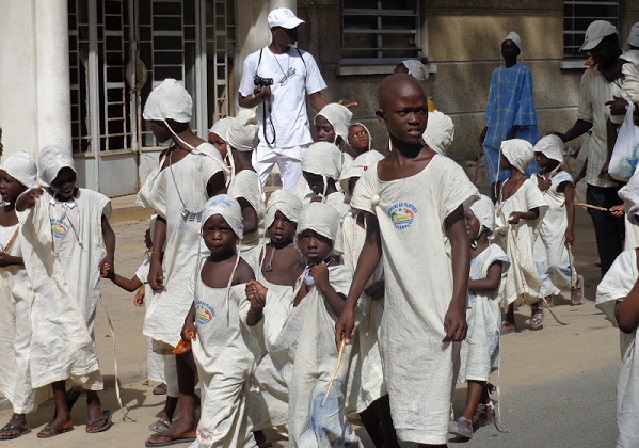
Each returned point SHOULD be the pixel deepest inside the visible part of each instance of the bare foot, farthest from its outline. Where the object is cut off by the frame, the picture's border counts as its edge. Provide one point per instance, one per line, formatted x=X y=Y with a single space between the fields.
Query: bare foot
x=180 y=429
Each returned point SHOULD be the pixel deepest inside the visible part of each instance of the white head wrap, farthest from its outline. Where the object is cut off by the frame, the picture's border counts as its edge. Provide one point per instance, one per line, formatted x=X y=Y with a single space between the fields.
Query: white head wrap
x=370 y=137
x=22 y=168
x=361 y=164
x=416 y=69
x=439 y=131
x=322 y=218
x=484 y=211
x=339 y=117
x=242 y=131
x=169 y=100
x=52 y=159
x=518 y=152
x=323 y=159
x=630 y=196
x=222 y=126
x=552 y=147
x=630 y=80
x=229 y=208
x=515 y=38
x=286 y=202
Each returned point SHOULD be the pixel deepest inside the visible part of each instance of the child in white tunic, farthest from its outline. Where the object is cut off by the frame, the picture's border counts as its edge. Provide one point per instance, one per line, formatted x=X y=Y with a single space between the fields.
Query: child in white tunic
x=223 y=347
x=305 y=346
x=268 y=402
x=413 y=199
x=479 y=349
x=17 y=174
x=82 y=244
x=520 y=206
x=550 y=250
x=618 y=298
x=190 y=171
x=359 y=138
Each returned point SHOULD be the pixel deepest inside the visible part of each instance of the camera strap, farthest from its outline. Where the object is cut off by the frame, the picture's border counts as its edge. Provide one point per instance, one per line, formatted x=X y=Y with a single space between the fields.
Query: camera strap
x=264 y=116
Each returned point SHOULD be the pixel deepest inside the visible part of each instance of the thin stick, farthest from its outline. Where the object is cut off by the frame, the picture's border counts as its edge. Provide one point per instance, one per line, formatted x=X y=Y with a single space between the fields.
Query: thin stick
x=339 y=360
x=552 y=313
x=594 y=207
x=573 y=273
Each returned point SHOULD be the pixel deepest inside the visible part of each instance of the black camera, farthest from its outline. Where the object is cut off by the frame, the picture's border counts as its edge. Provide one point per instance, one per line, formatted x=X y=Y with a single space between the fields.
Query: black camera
x=259 y=81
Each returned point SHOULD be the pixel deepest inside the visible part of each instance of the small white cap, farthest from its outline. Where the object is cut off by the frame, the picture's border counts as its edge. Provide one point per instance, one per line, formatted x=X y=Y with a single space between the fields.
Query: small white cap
x=633 y=36
x=515 y=38
x=283 y=17
x=596 y=31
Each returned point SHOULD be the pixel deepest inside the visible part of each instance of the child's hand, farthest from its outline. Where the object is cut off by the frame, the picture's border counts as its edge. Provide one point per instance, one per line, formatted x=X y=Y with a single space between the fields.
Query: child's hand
x=156 y=276
x=320 y=273
x=256 y=294
x=32 y=195
x=376 y=290
x=543 y=183
x=138 y=298
x=514 y=217
x=455 y=324
x=188 y=330
x=106 y=267
x=570 y=238
x=617 y=211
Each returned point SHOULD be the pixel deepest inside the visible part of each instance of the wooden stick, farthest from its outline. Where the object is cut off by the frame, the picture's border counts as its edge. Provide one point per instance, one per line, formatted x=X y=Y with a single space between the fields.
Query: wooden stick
x=573 y=273
x=594 y=207
x=339 y=360
x=552 y=313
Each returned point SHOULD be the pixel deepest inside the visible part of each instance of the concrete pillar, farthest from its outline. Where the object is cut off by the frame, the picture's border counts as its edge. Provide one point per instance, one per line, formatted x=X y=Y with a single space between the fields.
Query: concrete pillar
x=53 y=98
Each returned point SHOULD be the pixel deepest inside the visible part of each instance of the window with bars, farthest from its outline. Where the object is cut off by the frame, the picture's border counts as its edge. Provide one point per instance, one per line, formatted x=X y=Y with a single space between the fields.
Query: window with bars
x=577 y=16
x=380 y=31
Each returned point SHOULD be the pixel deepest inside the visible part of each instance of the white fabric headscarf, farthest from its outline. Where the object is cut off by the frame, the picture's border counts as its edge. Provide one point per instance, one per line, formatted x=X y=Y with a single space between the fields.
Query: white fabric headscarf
x=361 y=164
x=22 y=168
x=439 y=131
x=552 y=147
x=339 y=117
x=518 y=152
x=630 y=71
x=515 y=38
x=52 y=159
x=242 y=131
x=169 y=100
x=229 y=208
x=222 y=126
x=630 y=196
x=484 y=211
x=286 y=202
x=416 y=69
x=323 y=159
x=370 y=137
x=322 y=218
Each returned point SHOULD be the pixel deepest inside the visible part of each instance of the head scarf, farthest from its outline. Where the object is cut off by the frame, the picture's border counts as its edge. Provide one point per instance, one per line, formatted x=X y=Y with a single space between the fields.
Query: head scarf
x=416 y=69
x=552 y=147
x=52 y=159
x=515 y=38
x=242 y=131
x=322 y=218
x=630 y=196
x=484 y=211
x=339 y=117
x=286 y=202
x=229 y=208
x=439 y=132
x=323 y=159
x=518 y=152
x=370 y=137
x=361 y=164
x=222 y=126
x=169 y=100
x=22 y=168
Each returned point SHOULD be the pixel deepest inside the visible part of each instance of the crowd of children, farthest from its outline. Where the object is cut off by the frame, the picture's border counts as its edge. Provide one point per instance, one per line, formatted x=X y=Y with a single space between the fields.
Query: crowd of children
x=311 y=309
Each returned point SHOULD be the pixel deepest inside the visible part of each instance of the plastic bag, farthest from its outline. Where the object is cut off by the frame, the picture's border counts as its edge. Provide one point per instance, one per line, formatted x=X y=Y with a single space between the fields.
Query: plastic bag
x=624 y=160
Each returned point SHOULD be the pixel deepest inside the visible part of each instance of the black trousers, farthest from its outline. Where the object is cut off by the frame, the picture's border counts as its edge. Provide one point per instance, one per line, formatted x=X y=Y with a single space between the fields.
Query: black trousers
x=609 y=231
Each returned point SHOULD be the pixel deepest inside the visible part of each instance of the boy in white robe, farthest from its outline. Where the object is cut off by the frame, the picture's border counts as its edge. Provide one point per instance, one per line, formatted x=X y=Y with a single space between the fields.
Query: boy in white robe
x=17 y=174
x=190 y=171
x=412 y=200
x=72 y=223
x=359 y=138
x=321 y=168
x=618 y=297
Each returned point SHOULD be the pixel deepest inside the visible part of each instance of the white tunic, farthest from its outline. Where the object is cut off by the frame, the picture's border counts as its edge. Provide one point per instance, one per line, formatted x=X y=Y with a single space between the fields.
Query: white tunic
x=418 y=367
x=226 y=353
x=168 y=192
x=15 y=301
x=549 y=250
x=483 y=317
x=615 y=286
x=246 y=184
x=522 y=281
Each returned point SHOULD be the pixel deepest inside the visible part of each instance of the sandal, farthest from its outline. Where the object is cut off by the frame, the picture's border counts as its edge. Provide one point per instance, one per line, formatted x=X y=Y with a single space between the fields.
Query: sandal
x=154 y=440
x=103 y=423
x=161 y=425
x=160 y=389
x=537 y=320
x=578 y=292
x=506 y=328
x=459 y=428
x=16 y=429
x=52 y=431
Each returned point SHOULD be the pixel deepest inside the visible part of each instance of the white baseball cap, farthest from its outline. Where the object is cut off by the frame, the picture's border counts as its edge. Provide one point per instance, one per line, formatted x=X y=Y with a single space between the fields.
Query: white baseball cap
x=283 y=17
x=633 y=37
x=596 y=31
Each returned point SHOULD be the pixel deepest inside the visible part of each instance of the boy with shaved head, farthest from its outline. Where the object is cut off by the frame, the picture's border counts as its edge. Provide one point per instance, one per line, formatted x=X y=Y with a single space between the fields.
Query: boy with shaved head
x=412 y=201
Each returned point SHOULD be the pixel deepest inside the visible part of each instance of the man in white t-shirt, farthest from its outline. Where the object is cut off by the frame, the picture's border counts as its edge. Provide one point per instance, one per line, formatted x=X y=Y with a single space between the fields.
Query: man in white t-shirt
x=284 y=130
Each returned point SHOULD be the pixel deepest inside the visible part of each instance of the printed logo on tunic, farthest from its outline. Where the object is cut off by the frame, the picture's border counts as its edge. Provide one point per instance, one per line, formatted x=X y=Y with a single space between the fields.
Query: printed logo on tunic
x=203 y=312
x=402 y=214
x=59 y=228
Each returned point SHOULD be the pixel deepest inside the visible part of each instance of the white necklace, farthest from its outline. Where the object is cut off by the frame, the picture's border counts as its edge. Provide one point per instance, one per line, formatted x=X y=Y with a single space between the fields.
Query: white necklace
x=289 y=72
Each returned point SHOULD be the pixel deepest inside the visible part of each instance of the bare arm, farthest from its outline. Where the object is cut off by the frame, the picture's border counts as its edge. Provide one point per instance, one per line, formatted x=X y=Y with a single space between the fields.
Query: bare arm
x=530 y=215
x=334 y=299
x=513 y=131
x=627 y=311
x=7 y=260
x=27 y=199
x=155 y=279
x=317 y=101
x=488 y=283
x=259 y=95
x=249 y=216
x=127 y=284
x=580 y=127
x=106 y=265
x=569 y=193
x=455 y=319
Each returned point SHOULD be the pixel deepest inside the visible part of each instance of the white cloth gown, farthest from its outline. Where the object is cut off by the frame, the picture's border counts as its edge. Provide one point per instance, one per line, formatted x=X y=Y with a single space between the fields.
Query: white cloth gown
x=615 y=286
x=246 y=184
x=418 y=366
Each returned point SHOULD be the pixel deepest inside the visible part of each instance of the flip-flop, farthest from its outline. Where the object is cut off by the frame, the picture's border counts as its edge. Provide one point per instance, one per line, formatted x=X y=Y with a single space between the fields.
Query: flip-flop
x=172 y=440
x=22 y=430
x=105 y=417
x=52 y=431
x=160 y=389
x=506 y=328
x=160 y=425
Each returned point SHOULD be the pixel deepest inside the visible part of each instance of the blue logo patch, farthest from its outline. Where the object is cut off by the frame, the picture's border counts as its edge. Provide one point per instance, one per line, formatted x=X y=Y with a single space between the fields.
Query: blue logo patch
x=402 y=214
x=59 y=228
x=203 y=312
